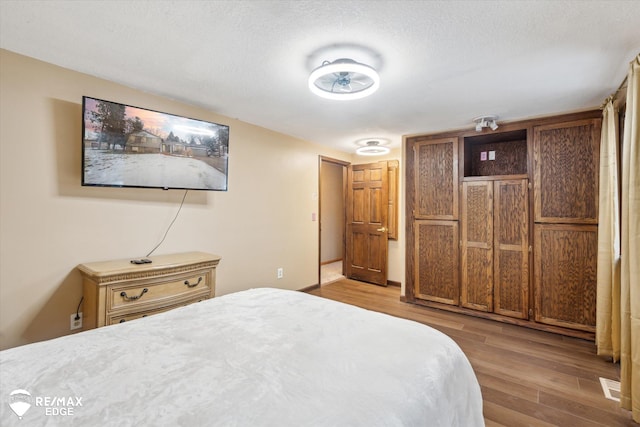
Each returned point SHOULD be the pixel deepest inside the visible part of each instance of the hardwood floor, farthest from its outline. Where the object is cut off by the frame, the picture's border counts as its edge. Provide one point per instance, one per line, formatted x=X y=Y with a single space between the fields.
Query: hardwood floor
x=527 y=377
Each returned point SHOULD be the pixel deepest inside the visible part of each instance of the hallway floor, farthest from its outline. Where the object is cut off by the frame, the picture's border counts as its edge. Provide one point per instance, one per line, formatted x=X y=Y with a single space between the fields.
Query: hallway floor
x=331 y=272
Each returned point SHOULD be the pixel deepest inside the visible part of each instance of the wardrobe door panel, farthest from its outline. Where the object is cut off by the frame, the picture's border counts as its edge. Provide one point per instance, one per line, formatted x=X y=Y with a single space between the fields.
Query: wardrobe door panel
x=436 y=260
x=565 y=275
x=511 y=248
x=436 y=179
x=566 y=159
x=477 y=245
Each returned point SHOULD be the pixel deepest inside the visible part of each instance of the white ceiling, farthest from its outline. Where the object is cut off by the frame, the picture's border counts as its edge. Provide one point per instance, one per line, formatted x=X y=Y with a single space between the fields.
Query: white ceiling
x=441 y=63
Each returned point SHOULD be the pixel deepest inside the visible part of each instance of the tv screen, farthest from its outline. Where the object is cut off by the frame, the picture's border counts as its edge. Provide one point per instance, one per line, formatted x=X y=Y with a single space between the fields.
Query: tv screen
x=126 y=146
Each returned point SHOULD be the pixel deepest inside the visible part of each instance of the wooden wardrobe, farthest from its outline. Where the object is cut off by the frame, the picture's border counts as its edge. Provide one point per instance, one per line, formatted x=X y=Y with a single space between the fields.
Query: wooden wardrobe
x=503 y=224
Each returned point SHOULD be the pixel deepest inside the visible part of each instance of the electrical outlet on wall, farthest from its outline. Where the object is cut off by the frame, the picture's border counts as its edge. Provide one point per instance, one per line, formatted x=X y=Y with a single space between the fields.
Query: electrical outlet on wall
x=280 y=273
x=76 y=323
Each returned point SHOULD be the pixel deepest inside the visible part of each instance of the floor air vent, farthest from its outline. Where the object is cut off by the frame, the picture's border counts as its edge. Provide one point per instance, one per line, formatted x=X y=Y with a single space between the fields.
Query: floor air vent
x=611 y=389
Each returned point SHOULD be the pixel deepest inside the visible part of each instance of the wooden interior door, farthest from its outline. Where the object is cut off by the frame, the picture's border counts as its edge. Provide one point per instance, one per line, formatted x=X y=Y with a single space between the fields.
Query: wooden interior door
x=367 y=222
x=477 y=245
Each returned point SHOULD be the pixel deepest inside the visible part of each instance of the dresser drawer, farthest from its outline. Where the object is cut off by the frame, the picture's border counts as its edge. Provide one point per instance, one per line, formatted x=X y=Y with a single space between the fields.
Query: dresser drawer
x=135 y=315
x=140 y=314
x=159 y=292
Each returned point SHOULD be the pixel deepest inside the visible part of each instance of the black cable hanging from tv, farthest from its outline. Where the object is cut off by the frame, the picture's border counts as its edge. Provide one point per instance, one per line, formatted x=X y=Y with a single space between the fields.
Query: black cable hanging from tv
x=170 y=225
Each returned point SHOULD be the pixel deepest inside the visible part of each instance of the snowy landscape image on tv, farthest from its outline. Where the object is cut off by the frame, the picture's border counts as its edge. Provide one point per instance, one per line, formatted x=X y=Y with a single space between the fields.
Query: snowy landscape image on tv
x=125 y=146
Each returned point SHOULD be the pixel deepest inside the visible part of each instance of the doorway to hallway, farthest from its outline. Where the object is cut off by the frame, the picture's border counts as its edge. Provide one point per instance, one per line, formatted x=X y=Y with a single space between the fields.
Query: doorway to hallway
x=332 y=198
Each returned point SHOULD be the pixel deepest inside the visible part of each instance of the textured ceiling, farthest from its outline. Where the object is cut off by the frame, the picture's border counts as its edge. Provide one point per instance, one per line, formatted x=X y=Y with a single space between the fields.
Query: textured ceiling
x=441 y=63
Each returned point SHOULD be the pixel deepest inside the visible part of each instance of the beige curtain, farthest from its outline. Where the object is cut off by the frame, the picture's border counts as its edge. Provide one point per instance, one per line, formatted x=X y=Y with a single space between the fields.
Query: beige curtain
x=608 y=302
x=618 y=303
x=630 y=249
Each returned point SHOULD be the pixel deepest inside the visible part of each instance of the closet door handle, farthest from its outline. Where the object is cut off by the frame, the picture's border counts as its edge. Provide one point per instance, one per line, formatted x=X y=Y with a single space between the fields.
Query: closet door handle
x=383 y=229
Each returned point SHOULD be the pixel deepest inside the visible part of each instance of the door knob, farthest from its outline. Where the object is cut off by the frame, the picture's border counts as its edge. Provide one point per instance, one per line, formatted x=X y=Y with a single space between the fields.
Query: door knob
x=383 y=229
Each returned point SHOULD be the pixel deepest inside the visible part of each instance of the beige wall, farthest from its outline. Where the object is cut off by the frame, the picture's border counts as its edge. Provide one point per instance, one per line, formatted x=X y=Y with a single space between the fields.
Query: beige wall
x=49 y=223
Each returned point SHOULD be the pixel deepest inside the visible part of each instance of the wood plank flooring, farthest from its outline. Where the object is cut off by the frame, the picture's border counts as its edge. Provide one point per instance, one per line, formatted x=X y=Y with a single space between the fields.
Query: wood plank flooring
x=527 y=377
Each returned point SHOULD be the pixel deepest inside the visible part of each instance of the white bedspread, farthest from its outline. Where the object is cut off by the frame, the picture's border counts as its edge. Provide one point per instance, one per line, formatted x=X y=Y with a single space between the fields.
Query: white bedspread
x=262 y=357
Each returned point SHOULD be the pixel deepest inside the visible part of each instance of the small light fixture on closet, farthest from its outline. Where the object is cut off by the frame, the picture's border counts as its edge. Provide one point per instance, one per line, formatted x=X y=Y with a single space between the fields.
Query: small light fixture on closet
x=373 y=148
x=343 y=79
x=486 y=122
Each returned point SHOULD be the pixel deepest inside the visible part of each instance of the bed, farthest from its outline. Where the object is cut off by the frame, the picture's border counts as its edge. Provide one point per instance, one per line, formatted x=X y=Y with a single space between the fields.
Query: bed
x=261 y=357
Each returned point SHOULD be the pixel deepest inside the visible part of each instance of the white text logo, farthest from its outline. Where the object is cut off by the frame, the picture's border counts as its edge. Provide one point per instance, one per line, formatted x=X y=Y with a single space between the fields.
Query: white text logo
x=21 y=401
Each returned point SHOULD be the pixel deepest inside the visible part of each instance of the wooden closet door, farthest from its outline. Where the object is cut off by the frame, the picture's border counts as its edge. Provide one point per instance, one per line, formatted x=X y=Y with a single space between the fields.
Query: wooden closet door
x=565 y=275
x=566 y=160
x=511 y=248
x=565 y=176
x=436 y=254
x=477 y=245
x=436 y=179
x=433 y=266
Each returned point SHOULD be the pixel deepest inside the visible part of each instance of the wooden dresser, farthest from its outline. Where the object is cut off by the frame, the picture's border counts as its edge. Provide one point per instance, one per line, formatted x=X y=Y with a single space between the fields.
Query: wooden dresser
x=118 y=291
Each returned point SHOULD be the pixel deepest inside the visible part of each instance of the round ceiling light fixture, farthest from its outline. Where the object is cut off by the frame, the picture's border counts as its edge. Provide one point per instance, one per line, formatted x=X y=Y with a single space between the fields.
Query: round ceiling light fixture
x=343 y=79
x=373 y=148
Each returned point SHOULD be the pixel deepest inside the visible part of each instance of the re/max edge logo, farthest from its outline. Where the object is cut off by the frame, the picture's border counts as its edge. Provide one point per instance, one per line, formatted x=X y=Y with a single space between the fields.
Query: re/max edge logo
x=20 y=401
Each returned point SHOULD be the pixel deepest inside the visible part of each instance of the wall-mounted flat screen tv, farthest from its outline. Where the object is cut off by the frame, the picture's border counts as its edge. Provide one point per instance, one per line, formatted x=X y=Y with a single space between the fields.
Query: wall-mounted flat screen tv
x=126 y=146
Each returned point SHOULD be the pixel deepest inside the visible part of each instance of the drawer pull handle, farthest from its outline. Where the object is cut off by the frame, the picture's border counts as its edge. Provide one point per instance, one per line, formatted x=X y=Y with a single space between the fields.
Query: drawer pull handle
x=122 y=321
x=124 y=295
x=189 y=285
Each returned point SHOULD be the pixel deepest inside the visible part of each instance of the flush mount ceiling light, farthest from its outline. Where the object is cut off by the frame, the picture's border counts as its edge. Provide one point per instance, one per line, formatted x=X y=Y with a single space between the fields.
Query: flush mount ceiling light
x=486 y=122
x=373 y=148
x=343 y=79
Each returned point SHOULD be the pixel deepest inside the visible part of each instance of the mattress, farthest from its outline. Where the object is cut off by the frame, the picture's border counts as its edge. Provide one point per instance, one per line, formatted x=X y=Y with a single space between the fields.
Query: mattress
x=261 y=357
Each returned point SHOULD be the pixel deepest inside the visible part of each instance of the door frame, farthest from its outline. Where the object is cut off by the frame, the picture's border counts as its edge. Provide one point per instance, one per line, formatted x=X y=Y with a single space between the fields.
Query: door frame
x=344 y=165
